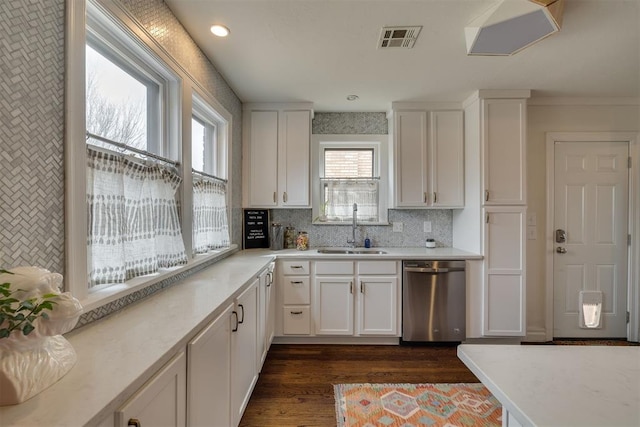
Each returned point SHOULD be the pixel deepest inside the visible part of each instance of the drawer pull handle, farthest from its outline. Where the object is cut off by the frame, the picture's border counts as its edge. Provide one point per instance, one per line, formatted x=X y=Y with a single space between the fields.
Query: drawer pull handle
x=284 y=197
x=296 y=266
x=296 y=312
x=235 y=328
x=361 y=287
x=270 y=281
x=350 y=287
x=424 y=197
x=297 y=282
x=134 y=422
x=275 y=197
x=486 y=195
x=435 y=197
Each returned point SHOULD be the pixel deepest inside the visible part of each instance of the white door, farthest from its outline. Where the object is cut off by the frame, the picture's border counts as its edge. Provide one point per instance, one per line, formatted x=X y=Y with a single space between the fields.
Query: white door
x=591 y=208
x=334 y=305
x=378 y=306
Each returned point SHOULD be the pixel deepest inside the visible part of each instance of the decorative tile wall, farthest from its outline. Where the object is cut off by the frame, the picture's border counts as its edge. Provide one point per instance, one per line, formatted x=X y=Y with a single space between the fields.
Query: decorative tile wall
x=413 y=234
x=31 y=133
x=350 y=123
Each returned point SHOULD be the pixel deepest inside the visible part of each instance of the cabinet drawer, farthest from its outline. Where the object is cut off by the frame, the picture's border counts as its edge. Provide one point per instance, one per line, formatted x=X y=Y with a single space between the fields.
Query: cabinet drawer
x=297 y=320
x=334 y=267
x=296 y=290
x=377 y=267
x=295 y=267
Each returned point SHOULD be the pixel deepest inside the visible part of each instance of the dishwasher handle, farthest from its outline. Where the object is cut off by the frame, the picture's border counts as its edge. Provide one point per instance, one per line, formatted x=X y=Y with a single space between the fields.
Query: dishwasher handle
x=431 y=270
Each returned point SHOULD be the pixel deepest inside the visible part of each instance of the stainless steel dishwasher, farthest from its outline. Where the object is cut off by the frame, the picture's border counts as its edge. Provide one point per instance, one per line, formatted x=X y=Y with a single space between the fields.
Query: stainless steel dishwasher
x=433 y=301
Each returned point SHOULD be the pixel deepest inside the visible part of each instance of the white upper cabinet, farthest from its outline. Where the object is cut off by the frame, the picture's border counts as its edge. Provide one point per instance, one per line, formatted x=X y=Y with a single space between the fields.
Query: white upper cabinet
x=447 y=159
x=276 y=167
x=429 y=159
x=504 y=151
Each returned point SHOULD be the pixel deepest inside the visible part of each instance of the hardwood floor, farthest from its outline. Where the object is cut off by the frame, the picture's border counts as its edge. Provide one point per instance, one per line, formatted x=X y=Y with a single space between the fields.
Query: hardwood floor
x=295 y=387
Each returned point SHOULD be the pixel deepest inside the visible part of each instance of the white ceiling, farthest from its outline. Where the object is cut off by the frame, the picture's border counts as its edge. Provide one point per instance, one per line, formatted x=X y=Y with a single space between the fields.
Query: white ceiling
x=320 y=51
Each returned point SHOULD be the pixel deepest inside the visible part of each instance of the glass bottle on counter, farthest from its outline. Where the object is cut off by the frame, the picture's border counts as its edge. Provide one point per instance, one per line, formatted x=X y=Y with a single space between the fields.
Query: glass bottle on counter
x=302 y=241
x=289 y=238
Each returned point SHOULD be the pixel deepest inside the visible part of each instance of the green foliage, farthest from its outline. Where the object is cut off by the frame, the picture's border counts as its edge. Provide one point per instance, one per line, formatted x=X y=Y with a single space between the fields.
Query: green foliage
x=20 y=315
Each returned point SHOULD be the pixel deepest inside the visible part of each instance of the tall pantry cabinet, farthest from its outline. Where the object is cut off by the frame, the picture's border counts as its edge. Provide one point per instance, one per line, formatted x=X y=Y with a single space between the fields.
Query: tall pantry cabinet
x=493 y=221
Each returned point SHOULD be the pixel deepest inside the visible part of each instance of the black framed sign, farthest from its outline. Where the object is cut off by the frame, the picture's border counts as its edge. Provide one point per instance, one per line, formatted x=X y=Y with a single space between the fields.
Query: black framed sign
x=256 y=228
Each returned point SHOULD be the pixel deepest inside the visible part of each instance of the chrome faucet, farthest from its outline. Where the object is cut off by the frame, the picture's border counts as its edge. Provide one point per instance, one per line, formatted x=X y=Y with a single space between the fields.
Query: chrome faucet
x=353 y=226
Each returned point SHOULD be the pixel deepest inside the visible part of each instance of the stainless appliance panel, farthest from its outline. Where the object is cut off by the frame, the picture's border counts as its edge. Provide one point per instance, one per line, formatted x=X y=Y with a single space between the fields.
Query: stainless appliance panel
x=433 y=301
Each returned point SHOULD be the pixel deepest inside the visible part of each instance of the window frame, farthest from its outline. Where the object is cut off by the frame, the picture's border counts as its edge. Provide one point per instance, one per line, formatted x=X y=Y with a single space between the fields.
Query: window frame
x=379 y=144
x=115 y=18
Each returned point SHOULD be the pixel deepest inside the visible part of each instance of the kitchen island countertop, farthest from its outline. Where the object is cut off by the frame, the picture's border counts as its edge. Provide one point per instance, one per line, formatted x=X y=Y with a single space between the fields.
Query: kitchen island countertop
x=556 y=385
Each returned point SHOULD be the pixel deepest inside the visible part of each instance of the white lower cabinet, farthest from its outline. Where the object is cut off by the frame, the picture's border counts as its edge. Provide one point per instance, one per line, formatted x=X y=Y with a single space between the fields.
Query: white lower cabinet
x=209 y=373
x=161 y=401
x=266 y=313
x=244 y=339
x=359 y=304
x=293 y=313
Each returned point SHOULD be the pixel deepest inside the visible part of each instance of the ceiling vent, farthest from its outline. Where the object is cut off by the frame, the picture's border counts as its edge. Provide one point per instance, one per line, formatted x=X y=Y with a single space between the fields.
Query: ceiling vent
x=398 y=37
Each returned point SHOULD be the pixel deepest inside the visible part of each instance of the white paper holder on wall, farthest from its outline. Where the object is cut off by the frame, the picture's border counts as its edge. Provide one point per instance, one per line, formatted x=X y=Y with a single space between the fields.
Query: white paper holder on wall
x=590 y=303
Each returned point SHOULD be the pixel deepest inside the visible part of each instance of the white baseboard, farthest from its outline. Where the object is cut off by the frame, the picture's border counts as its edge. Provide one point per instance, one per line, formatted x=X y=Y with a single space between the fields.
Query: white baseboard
x=536 y=335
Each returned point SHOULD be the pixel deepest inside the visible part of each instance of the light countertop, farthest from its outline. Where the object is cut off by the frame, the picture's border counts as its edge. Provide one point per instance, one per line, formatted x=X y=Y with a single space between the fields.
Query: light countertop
x=391 y=253
x=548 y=385
x=118 y=354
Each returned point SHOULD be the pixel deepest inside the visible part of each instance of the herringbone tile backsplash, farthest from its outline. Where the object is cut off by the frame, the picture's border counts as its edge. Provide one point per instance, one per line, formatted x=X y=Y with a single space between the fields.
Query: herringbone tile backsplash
x=31 y=133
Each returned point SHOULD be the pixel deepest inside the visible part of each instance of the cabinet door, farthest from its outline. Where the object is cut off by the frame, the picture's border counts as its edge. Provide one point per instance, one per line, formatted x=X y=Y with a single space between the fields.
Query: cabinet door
x=504 y=272
x=263 y=159
x=447 y=159
x=504 y=150
x=244 y=351
x=162 y=401
x=411 y=159
x=333 y=305
x=378 y=306
x=263 y=314
x=271 y=307
x=294 y=149
x=209 y=373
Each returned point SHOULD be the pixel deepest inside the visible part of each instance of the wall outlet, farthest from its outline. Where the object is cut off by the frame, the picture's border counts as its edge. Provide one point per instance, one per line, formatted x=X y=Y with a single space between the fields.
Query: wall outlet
x=397 y=227
x=427 y=226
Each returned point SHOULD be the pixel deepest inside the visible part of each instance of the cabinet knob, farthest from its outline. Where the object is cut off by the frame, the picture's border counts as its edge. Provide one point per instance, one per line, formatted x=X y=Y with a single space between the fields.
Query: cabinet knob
x=134 y=422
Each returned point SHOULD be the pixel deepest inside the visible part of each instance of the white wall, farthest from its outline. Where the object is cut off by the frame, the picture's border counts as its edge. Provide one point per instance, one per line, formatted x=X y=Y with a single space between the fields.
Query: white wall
x=558 y=118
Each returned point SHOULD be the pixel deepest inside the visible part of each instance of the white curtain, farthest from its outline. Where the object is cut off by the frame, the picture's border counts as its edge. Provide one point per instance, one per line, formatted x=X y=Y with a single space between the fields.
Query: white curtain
x=210 y=224
x=340 y=195
x=133 y=223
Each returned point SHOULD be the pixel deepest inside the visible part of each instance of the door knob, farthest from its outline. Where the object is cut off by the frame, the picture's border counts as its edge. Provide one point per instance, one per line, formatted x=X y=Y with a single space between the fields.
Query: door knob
x=561 y=250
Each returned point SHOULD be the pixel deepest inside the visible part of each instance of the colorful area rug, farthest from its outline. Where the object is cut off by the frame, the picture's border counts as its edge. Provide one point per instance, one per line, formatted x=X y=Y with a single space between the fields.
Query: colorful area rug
x=413 y=405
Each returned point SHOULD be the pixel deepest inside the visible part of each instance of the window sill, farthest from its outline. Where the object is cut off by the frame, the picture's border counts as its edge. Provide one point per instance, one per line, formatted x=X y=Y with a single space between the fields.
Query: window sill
x=104 y=296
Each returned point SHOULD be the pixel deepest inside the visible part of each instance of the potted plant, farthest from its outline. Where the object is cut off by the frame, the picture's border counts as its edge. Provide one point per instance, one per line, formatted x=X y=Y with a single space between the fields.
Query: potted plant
x=34 y=314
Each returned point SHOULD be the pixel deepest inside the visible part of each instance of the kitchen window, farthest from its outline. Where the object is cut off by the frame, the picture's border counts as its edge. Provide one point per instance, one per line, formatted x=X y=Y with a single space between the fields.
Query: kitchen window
x=138 y=180
x=350 y=169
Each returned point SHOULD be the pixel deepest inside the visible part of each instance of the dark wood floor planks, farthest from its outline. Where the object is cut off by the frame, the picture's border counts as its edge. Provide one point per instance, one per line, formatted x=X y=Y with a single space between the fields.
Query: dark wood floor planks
x=295 y=387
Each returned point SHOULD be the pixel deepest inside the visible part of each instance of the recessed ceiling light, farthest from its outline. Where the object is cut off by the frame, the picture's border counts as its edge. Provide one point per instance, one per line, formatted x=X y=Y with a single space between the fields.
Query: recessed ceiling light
x=220 y=30
x=352 y=97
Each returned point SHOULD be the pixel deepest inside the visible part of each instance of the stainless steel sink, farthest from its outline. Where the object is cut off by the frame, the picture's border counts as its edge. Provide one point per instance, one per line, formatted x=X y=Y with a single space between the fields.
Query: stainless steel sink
x=345 y=251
